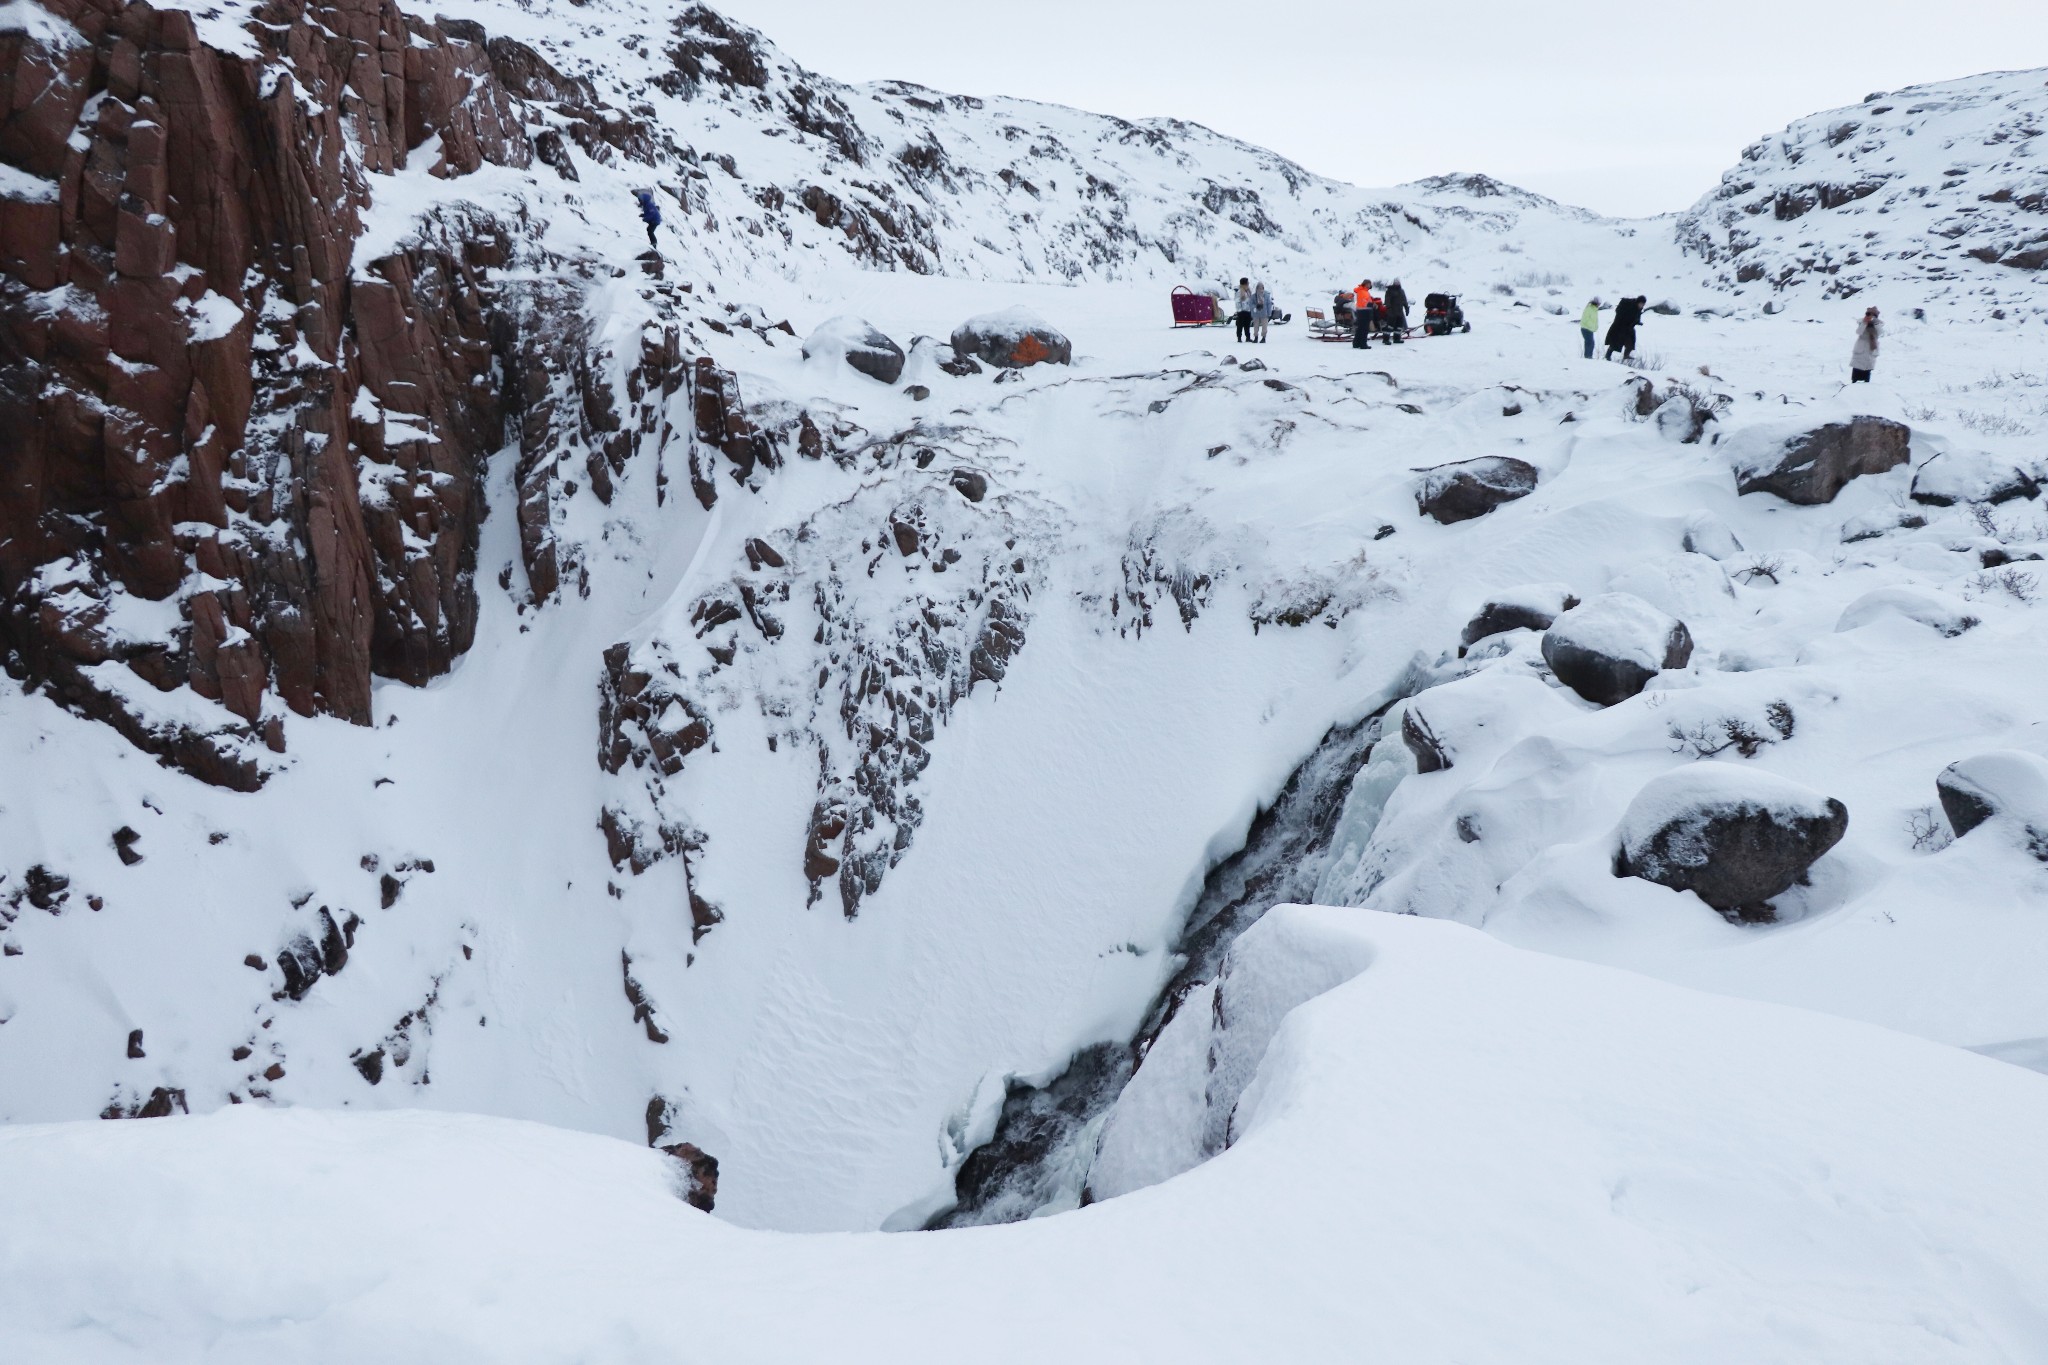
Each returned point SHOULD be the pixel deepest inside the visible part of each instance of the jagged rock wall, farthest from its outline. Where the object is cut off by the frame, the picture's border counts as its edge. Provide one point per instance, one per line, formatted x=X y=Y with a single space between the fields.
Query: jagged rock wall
x=242 y=457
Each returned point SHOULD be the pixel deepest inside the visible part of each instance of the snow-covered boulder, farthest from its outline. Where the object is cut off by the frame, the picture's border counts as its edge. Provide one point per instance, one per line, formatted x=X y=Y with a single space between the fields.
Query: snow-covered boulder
x=859 y=344
x=1706 y=534
x=1012 y=339
x=1608 y=649
x=2005 y=783
x=943 y=356
x=1532 y=606
x=1971 y=476
x=1935 y=610
x=1810 y=465
x=1685 y=585
x=1880 y=522
x=1733 y=836
x=1472 y=488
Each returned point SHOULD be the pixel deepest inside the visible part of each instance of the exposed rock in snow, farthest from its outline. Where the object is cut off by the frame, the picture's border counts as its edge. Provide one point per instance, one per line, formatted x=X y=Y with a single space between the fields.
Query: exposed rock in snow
x=1936 y=610
x=1532 y=607
x=859 y=344
x=1472 y=488
x=1012 y=340
x=1736 y=837
x=2007 y=784
x=944 y=358
x=1956 y=476
x=1810 y=465
x=1608 y=649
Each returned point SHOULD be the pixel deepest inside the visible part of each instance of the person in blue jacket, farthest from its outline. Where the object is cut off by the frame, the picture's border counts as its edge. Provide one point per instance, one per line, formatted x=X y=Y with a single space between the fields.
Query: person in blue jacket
x=650 y=213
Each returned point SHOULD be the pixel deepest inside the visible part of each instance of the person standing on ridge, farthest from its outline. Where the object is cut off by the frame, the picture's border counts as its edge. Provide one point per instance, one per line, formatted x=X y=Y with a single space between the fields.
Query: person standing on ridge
x=1621 y=333
x=650 y=214
x=1262 y=311
x=1589 y=325
x=1244 y=309
x=1863 y=359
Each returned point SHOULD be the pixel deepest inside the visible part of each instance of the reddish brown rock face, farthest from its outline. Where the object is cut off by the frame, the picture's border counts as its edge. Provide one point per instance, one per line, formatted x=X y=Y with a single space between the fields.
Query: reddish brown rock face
x=234 y=457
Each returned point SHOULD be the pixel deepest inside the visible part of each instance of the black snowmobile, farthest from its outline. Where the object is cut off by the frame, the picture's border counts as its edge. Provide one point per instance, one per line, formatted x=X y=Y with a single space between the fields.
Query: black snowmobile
x=1442 y=316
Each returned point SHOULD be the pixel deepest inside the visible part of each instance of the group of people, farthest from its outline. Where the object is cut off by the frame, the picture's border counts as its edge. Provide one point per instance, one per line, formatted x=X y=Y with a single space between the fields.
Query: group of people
x=1621 y=333
x=1254 y=312
x=1628 y=315
x=1386 y=316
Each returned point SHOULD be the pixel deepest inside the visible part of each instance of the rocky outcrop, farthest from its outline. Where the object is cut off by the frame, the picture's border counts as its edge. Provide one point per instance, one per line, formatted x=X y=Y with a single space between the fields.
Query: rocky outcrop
x=1811 y=466
x=696 y=1174
x=244 y=465
x=1837 y=202
x=1472 y=488
x=249 y=459
x=1735 y=837
x=1610 y=648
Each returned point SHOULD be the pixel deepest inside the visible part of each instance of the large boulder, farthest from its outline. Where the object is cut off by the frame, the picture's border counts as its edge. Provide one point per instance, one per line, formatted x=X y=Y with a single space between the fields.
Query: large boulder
x=1810 y=466
x=1971 y=476
x=1733 y=836
x=1608 y=649
x=1530 y=607
x=1472 y=488
x=2004 y=784
x=860 y=345
x=1012 y=340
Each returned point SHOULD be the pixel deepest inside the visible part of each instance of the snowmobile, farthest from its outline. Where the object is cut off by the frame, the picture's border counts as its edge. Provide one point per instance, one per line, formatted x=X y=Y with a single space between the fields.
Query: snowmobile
x=1442 y=316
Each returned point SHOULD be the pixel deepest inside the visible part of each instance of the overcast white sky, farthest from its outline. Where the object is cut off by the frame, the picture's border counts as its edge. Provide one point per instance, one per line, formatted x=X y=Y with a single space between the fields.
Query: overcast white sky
x=1629 y=108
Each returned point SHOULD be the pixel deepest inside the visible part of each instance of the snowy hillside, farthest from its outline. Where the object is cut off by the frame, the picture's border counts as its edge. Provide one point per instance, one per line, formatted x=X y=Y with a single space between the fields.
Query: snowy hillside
x=1940 y=190
x=462 y=659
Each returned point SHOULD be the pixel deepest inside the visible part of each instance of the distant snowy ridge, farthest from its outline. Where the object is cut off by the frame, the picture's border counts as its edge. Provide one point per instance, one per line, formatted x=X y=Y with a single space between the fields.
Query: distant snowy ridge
x=1943 y=187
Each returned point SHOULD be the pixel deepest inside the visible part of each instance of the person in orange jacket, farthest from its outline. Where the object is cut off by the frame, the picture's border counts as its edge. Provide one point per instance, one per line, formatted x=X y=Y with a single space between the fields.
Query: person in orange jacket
x=1365 y=315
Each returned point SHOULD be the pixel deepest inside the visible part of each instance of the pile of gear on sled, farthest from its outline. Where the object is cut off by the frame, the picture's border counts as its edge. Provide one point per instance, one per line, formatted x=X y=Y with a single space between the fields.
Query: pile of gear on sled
x=1360 y=316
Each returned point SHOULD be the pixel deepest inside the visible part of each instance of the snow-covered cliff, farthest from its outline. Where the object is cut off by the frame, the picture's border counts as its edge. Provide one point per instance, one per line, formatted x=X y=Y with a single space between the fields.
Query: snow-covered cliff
x=461 y=658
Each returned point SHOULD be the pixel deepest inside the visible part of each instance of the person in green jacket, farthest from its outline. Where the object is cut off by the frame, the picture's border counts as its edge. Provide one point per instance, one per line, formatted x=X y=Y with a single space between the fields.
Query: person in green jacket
x=1589 y=325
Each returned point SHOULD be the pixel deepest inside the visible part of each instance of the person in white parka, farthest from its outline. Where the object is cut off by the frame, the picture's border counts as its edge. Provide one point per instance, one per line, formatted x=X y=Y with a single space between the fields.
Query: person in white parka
x=1863 y=359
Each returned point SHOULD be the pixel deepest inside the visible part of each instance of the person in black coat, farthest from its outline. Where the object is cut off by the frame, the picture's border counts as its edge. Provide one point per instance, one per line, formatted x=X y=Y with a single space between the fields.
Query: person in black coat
x=1621 y=333
x=1397 y=311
